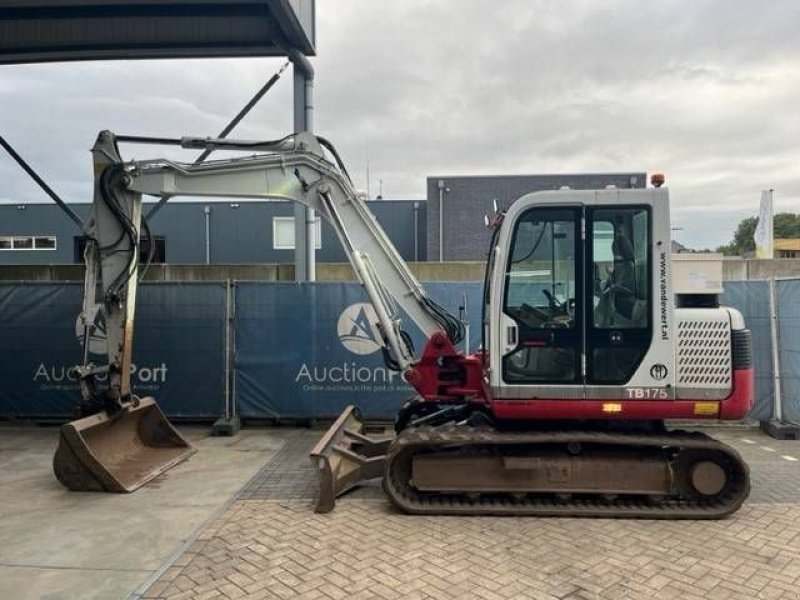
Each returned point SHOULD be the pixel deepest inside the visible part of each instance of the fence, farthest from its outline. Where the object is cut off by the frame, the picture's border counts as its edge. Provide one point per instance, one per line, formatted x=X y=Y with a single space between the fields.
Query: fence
x=309 y=350
x=179 y=348
x=286 y=350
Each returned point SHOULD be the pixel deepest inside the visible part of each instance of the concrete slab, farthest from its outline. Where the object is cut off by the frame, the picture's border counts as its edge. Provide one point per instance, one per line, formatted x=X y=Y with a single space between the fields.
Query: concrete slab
x=60 y=544
x=54 y=584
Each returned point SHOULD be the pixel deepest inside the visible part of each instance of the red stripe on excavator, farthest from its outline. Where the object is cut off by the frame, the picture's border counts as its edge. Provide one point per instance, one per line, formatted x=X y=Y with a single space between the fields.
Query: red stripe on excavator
x=739 y=403
x=735 y=406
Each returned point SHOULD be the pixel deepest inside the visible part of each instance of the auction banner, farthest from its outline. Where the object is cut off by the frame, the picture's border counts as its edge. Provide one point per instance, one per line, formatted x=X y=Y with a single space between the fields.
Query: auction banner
x=300 y=350
x=751 y=298
x=178 y=357
x=307 y=350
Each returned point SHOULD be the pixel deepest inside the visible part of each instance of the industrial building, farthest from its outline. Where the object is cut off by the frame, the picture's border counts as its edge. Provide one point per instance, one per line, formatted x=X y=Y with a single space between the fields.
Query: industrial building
x=242 y=232
x=203 y=232
x=463 y=200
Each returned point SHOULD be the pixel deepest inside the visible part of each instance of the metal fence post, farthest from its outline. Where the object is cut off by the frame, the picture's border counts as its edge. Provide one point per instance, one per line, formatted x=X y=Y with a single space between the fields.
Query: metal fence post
x=777 y=411
x=776 y=426
x=229 y=423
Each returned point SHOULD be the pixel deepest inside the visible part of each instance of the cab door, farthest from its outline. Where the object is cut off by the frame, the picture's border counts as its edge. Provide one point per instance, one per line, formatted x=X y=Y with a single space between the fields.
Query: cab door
x=618 y=302
x=577 y=300
x=542 y=310
x=576 y=297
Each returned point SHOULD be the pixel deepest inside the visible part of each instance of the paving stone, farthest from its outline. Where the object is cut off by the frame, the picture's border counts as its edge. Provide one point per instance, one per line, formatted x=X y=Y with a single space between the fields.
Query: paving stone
x=270 y=545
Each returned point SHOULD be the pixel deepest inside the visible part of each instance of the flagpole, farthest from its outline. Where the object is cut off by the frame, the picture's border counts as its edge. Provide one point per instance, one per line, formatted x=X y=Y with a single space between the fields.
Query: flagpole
x=764 y=233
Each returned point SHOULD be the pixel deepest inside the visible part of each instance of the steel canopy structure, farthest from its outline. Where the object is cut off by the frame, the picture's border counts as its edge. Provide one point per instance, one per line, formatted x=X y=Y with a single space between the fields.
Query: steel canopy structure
x=63 y=30
x=37 y=31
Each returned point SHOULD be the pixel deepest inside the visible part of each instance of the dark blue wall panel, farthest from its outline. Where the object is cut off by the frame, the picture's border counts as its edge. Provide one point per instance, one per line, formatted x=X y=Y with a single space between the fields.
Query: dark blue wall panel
x=240 y=232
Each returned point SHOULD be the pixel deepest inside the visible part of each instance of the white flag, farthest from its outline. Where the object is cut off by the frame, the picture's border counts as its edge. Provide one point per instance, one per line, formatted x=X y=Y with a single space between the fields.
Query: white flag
x=763 y=234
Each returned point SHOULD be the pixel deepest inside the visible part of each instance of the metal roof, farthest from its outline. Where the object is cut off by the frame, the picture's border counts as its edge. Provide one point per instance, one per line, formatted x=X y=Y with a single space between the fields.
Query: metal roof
x=792 y=244
x=61 y=30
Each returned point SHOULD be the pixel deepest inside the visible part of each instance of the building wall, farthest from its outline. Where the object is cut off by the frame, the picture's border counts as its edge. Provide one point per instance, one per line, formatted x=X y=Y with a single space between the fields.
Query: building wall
x=240 y=233
x=786 y=248
x=467 y=199
x=40 y=219
x=733 y=270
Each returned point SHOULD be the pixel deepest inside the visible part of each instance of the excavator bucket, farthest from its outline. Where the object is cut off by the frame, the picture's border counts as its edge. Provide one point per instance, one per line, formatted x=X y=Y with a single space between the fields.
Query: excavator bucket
x=118 y=453
x=345 y=457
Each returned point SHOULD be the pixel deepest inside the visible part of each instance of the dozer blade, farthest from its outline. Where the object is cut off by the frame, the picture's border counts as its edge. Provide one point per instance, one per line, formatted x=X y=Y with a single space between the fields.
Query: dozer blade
x=345 y=457
x=118 y=453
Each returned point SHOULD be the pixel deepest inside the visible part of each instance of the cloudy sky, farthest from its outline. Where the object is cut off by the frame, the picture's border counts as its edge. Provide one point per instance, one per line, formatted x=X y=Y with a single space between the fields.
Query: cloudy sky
x=706 y=91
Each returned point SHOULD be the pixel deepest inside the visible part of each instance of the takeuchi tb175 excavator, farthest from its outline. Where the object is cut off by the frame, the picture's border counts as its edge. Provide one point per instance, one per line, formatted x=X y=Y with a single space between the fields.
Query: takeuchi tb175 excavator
x=586 y=351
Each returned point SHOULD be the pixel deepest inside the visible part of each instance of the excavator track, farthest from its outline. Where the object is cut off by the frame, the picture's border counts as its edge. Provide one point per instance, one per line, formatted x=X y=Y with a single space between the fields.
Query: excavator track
x=461 y=470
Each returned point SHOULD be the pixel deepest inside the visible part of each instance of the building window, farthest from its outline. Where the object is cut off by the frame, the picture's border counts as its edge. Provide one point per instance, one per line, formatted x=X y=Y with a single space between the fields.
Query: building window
x=159 y=250
x=47 y=242
x=159 y=256
x=283 y=233
x=27 y=242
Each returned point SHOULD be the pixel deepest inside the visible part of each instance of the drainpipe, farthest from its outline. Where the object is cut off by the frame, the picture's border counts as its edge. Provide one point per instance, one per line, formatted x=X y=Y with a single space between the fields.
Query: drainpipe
x=442 y=190
x=777 y=408
x=305 y=258
x=207 y=212
x=416 y=231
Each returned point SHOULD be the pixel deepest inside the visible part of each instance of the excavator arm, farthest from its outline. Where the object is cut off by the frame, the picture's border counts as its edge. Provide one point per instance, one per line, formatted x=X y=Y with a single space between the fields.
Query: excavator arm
x=295 y=168
x=121 y=441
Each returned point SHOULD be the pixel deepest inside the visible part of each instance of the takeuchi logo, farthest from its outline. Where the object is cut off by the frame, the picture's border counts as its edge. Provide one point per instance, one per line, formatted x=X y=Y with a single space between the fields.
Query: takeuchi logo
x=357 y=330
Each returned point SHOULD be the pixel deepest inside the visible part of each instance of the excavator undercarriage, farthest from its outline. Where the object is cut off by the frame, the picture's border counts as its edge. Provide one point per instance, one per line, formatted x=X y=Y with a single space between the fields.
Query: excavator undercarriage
x=458 y=469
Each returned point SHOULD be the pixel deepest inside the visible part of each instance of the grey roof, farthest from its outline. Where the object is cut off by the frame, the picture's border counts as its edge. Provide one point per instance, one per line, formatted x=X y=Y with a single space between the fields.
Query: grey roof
x=58 y=30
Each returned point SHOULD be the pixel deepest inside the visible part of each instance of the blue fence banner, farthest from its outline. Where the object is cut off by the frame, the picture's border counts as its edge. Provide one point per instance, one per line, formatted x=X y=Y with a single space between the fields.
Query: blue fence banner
x=751 y=298
x=308 y=350
x=301 y=351
x=788 y=303
x=179 y=348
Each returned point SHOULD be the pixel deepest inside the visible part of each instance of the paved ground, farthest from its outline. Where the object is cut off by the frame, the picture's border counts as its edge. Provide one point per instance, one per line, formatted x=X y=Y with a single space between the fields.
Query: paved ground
x=268 y=544
x=58 y=544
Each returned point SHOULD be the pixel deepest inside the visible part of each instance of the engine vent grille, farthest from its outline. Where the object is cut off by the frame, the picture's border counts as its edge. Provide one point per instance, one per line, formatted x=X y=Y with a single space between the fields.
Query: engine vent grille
x=704 y=353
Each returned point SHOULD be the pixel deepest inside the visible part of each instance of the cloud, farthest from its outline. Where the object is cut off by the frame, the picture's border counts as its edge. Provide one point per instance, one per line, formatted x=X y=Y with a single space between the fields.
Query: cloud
x=703 y=90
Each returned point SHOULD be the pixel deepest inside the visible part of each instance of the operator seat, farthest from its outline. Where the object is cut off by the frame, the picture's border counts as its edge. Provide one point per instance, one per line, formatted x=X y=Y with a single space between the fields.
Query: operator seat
x=623 y=277
x=623 y=301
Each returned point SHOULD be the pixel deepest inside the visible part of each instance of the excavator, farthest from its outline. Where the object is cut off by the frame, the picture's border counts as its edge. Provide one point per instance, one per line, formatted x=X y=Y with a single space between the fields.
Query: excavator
x=586 y=351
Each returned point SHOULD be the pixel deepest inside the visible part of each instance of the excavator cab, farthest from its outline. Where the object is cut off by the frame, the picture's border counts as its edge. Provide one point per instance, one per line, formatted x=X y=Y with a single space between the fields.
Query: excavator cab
x=573 y=306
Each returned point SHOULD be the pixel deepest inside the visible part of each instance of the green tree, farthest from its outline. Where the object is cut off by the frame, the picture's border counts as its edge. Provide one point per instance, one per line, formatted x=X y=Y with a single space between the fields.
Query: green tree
x=728 y=250
x=743 y=236
x=785 y=226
